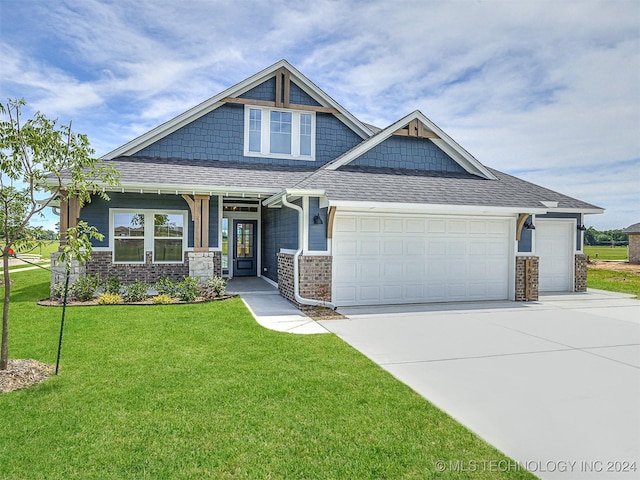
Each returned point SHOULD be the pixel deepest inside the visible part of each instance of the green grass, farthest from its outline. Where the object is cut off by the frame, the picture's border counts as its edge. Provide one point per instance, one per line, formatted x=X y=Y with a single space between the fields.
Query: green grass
x=623 y=282
x=202 y=391
x=606 y=253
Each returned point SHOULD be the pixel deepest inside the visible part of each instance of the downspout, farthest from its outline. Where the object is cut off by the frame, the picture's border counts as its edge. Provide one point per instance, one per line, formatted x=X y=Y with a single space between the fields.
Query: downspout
x=296 y=256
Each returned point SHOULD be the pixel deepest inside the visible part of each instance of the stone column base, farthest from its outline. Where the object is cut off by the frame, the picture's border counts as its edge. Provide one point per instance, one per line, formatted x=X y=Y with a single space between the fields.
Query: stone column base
x=205 y=264
x=59 y=271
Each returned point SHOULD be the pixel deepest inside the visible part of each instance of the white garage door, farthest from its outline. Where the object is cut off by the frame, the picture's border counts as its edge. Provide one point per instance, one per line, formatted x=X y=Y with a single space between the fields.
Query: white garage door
x=554 y=246
x=391 y=259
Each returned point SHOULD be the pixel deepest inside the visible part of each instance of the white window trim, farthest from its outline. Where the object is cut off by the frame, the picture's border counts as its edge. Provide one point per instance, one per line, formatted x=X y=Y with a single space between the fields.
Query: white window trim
x=265 y=139
x=148 y=233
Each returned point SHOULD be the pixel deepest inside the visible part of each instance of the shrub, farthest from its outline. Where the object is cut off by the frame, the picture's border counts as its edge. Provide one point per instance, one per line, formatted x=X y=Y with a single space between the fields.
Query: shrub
x=112 y=285
x=136 y=292
x=213 y=287
x=162 y=299
x=108 y=298
x=188 y=289
x=164 y=286
x=85 y=287
x=57 y=291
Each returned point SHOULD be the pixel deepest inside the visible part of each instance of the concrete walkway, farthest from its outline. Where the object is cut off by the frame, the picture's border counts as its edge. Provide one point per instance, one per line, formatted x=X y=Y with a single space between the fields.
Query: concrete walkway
x=554 y=384
x=270 y=309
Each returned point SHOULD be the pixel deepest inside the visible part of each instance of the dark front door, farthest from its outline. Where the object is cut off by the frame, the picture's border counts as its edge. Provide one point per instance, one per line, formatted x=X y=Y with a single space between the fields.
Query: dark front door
x=244 y=248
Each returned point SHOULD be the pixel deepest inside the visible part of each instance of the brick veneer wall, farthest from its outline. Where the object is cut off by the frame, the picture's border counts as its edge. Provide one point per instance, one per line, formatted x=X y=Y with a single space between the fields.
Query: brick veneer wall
x=285 y=276
x=314 y=274
x=315 y=277
x=634 y=248
x=522 y=279
x=580 y=272
x=149 y=272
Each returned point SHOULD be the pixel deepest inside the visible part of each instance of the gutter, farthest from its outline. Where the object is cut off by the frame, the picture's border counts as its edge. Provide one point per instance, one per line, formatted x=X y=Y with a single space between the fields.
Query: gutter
x=296 y=281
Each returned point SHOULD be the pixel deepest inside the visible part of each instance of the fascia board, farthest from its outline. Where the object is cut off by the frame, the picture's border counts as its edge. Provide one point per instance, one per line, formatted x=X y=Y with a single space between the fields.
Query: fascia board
x=587 y=211
x=236 y=90
x=433 y=208
x=186 y=189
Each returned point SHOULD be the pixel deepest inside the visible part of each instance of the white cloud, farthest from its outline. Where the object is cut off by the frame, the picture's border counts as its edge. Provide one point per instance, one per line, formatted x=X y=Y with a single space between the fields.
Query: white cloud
x=551 y=86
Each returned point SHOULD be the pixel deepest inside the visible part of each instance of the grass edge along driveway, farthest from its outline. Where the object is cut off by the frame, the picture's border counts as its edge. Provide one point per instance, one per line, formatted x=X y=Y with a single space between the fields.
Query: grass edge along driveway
x=202 y=391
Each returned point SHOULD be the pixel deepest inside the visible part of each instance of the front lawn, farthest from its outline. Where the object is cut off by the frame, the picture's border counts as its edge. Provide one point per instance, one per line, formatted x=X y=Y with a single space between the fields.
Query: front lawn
x=614 y=281
x=607 y=253
x=202 y=391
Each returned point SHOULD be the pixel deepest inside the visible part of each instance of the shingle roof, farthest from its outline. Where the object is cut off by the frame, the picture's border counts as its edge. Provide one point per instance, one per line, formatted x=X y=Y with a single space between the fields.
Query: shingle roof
x=349 y=183
x=207 y=173
x=409 y=186
x=635 y=228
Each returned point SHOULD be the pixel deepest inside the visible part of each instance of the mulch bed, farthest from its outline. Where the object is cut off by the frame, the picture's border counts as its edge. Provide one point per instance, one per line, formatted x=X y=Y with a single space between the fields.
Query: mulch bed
x=23 y=374
x=47 y=302
x=323 y=313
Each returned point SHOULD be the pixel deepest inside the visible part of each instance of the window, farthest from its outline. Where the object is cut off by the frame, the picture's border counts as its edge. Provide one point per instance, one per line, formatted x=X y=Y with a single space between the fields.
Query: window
x=278 y=133
x=135 y=232
x=128 y=237
x=167 y=237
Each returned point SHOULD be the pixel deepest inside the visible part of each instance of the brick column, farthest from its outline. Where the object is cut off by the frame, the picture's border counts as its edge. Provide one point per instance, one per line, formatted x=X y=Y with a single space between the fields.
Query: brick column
x=580 y=275
x=285 y=276
x=526 y=279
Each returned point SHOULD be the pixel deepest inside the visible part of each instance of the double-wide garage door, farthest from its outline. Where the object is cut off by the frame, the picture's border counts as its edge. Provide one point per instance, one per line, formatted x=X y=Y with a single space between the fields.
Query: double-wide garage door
x=392 y=259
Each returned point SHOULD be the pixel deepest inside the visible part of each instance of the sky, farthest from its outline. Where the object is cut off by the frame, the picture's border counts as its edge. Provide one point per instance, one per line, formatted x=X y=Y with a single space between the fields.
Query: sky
x=548 y=91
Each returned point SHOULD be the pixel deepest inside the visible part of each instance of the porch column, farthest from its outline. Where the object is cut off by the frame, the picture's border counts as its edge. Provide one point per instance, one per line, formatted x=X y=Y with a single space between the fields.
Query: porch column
x=69 y=214
x=199 y=207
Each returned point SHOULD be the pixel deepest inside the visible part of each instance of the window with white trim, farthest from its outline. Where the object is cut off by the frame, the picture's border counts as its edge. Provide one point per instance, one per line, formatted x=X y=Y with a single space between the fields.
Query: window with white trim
x=135 y=232
x=279 y=133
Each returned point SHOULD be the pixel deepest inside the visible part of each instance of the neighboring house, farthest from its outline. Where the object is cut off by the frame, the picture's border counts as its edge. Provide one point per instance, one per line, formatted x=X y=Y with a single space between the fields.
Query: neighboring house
x=634 y=242
x=273 y=178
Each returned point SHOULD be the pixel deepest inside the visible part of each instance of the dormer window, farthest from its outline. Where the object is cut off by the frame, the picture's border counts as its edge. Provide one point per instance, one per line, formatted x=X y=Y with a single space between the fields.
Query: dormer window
x=279 y=133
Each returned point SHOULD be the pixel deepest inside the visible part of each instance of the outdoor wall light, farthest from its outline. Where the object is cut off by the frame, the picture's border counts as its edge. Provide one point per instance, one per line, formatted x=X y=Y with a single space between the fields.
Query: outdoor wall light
x=582 y=228
x=529 y=226
x=317 y=220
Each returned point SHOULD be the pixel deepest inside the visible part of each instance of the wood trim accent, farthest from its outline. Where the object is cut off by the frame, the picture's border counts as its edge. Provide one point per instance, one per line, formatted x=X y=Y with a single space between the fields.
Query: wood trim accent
x=287 y=86
x=331 y=216
x=279 y=87
x=292 y=106
x=199 y=207
x=420 y=134
x=191 y=204
x=204 y=221
x=64 y=219
x=521 y=219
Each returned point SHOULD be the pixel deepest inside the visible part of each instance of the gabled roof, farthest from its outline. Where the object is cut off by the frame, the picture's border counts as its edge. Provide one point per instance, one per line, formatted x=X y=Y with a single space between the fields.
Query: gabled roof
x=431 y=131
x=235 y=91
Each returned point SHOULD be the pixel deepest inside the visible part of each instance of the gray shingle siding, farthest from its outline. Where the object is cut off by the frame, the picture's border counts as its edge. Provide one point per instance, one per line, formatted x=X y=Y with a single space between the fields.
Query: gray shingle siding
x=279 y=230
x=410 y=154
x=317 y=233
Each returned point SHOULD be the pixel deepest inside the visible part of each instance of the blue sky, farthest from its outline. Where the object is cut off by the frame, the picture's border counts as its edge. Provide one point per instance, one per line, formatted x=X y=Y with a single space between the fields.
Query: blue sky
x=548 y=91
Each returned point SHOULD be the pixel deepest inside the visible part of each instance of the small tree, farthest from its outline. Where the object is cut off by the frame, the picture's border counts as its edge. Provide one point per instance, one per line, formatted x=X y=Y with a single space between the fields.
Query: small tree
x=46 y=157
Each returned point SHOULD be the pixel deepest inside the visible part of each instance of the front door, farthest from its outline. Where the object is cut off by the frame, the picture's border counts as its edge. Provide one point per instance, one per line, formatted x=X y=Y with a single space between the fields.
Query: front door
x=244 y=248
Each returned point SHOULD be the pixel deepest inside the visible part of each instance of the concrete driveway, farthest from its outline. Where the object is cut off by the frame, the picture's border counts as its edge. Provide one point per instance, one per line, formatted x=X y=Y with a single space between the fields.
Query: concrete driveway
x=554 y=384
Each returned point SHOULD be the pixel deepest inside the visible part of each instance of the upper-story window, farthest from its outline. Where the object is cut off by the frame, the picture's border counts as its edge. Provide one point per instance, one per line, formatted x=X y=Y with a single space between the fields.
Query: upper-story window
x=278 y=133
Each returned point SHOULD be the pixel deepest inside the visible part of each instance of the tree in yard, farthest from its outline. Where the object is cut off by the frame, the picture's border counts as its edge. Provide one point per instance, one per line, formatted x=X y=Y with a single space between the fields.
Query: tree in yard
x=48 y=158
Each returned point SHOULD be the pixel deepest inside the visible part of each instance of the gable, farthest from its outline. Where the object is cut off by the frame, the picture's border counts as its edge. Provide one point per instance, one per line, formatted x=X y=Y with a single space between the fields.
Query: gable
x=278 y=86
x=219 y=136
x=408 y=153
x=266 y=92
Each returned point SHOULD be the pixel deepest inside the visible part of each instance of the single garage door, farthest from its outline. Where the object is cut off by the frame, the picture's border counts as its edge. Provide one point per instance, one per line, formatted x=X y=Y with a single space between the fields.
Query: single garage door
x=554 y=246
x=391 y=259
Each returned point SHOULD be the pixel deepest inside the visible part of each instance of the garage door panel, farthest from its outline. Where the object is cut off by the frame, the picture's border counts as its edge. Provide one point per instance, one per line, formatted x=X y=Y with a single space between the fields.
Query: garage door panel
x=405 y=259
x=554 y=246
